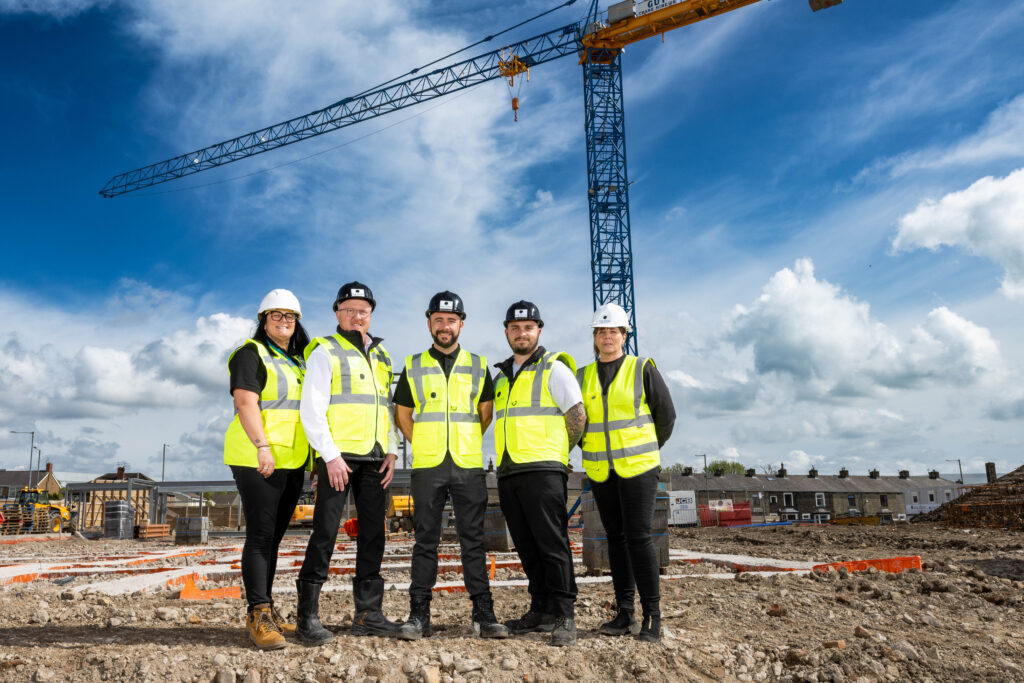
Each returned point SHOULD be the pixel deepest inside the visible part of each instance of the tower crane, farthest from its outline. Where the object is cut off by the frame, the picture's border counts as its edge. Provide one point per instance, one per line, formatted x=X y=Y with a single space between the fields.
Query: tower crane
x=597 y=41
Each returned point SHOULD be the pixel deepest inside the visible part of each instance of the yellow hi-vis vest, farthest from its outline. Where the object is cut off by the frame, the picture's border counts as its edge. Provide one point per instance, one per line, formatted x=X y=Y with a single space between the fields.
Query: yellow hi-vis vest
x=358 y=412
x=446 y=419
x=620 y=429
x=528 y=423
x=279 y=410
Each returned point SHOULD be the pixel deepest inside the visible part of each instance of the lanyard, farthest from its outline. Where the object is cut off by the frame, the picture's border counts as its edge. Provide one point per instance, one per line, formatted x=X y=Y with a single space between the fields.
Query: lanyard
x=284 y=355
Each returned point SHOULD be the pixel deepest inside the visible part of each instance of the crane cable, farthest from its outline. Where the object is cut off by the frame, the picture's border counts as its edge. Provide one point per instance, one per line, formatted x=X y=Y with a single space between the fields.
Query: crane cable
x=452 y=54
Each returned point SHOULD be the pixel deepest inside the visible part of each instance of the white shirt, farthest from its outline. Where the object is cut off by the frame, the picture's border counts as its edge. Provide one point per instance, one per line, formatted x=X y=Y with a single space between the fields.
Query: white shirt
x=316 y=397
x=562 y=384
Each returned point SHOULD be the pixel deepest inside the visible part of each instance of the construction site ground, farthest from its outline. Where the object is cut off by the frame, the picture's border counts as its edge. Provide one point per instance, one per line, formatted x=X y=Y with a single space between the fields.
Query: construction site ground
x=112 y=610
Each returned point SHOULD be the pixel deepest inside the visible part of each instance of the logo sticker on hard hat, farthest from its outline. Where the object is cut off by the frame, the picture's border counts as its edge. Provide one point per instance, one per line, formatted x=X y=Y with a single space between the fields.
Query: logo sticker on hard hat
x=357 y=292
x=446 y=305
x=521 y=312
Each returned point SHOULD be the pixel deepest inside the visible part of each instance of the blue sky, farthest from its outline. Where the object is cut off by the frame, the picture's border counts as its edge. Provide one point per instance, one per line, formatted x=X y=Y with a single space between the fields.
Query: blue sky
x=826 y=207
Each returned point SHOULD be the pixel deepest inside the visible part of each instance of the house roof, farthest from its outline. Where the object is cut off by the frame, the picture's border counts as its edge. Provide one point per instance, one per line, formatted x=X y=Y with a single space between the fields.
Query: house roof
x=113 y=476
x=16 y=479
x=803 y=483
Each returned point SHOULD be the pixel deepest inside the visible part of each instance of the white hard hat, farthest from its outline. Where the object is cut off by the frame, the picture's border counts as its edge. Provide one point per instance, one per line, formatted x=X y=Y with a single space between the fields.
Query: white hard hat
x=280 y=299
x=611 y=315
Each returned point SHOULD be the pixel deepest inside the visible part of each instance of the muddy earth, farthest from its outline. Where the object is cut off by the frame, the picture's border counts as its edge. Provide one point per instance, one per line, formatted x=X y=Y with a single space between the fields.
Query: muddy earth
x=959 y=619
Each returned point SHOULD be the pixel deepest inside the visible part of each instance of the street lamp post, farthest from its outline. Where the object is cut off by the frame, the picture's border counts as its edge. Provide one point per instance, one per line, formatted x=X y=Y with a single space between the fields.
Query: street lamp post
x=39 y=461
x=30 y=449
x=163 y=463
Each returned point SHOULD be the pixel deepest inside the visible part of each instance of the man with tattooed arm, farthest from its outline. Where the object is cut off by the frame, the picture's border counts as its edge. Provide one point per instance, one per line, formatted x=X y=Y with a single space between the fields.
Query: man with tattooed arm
x=539 y=413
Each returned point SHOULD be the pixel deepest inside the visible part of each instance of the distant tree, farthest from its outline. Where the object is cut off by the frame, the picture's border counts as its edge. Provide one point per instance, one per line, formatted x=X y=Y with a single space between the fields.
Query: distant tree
x=676 y=468
x=769 y=469
x=729 y=466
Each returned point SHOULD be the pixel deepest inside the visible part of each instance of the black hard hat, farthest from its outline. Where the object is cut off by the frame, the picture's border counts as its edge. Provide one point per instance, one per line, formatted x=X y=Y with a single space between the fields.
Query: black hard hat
x=446 y=302
x=355 y=290
x=523 y=310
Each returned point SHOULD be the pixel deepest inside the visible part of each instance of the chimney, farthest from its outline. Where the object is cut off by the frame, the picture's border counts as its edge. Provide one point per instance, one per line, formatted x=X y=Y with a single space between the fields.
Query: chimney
x=990 y=472
x=781 y=474
x=873 y=474
x=120 y=472
x=49 y=468
x=687 y=471
x=904 y=474
x=812 y=473
x=751 y=472
x=844 y=473
x=719 y=471
x=934 y=474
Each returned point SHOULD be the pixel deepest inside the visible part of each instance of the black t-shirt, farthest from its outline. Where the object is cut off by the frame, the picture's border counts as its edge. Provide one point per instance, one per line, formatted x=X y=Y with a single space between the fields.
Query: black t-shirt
x=659 y=400
x=403 y=390
x=247 y=370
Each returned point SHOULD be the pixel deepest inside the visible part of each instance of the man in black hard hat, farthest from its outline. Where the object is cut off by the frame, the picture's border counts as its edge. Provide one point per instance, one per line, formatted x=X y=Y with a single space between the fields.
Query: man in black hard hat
x=540 y=416
x=444 y=402
x=345 y=414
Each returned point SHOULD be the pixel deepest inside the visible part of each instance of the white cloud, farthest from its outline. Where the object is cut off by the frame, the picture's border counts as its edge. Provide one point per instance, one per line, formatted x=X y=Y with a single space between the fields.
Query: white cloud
x=987 y=219
x=58 y=9
x=806 y=332
x=1000 y=137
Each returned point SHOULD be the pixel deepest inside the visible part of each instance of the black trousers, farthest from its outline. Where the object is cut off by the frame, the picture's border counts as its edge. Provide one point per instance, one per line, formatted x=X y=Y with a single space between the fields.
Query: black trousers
x=364 y=481
x=468 y=490
x=626 y=507
x=534 y=507
x=268 y=504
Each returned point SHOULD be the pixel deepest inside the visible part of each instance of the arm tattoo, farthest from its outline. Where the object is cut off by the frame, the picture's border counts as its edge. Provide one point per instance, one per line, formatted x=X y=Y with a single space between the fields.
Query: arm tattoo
x=575 y=423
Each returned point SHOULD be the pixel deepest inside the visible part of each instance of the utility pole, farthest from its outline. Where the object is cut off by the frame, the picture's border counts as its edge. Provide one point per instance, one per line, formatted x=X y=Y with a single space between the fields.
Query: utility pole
x=163 y=463
x=707 y=484
x=30 y=449
x=960 y=491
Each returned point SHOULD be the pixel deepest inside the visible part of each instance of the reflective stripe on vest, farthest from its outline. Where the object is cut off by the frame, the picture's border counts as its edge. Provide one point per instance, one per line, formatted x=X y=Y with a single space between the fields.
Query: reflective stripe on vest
x=358 y=411
x=446 y=417
x=279 y=412
x=528 y=423
x=620 y=429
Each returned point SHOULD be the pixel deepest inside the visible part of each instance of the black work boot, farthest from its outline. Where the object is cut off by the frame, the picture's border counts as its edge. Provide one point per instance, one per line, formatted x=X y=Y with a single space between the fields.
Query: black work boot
x=485 y=624
x=368 y=596
x=531 y=621
x=651 y=630
x=309 y=630
x=418 y=623
x=564 y=632
x=623 y=623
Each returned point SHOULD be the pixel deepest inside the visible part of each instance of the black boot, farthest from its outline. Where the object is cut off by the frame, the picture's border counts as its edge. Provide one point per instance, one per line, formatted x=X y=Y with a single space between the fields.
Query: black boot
x=485 y=624
x=309 y=630
x=537 y=618
x=623 y=623
x=564 y=632
x=368 y=596
x=651 y=630
x=418 y=623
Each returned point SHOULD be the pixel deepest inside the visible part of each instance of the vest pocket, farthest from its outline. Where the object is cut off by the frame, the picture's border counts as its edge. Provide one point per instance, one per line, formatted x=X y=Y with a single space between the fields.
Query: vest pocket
x=280 y=429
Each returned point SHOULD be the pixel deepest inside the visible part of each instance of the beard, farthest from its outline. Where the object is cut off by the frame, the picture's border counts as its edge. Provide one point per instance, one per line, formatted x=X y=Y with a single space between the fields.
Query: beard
x=524 y=347
x=453 y=338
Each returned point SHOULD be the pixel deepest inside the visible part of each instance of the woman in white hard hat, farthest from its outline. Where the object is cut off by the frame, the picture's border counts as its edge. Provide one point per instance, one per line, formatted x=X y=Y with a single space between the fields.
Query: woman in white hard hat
x=267 y=451
x=629 y=417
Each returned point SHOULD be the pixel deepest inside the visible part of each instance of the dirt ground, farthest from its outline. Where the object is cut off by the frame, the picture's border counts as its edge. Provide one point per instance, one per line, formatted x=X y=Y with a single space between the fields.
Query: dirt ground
x=960 y=619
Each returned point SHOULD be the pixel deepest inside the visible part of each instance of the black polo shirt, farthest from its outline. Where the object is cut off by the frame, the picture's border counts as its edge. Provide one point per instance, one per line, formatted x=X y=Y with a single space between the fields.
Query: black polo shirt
x=403 y=390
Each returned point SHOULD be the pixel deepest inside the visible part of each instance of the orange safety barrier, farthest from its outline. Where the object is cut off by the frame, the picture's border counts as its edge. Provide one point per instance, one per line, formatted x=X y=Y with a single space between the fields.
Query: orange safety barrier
x=191 y=592
x=894 y=565
x=494 y=564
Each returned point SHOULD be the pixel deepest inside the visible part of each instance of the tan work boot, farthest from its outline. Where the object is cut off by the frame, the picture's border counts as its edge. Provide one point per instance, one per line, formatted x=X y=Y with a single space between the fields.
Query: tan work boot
x=263 y=632
x=282 y=625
